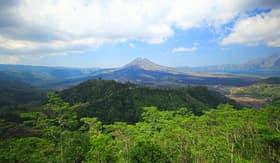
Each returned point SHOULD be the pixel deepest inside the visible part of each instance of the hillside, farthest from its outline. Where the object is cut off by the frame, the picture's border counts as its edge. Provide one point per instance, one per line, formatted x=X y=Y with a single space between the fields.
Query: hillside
x=266 y=91
x=16 y=97
x=111 y=101
x=42 y=75
x=14 y=93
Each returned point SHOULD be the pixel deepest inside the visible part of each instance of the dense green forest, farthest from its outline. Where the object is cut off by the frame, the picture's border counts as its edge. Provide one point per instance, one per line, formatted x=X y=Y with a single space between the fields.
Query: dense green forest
x=13 y=92
x=17 y=97
x=106 y=121
x=221 y=134
x=111 y=101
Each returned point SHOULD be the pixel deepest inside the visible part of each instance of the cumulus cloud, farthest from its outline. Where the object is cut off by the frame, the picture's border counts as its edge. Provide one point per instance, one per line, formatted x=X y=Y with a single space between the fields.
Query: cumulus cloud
x=29 y=27
x=262 y=28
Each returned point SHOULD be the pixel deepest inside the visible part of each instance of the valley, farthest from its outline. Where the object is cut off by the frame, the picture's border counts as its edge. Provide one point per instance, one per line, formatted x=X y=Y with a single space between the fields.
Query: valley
x=97 y=119
x=94 y=114
x=139 y=71
x=139 y=81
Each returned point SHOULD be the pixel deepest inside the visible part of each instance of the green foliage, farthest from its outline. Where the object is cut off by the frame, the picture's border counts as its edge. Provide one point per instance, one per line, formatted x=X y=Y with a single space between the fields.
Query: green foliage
x=111 y=101
x=58 y=126
x=30 y=149
x=145 y=151
x=221 y=134
x=15 y=98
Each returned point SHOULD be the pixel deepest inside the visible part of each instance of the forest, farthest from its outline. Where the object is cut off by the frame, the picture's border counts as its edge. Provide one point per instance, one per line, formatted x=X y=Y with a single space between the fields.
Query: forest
x=56 y=131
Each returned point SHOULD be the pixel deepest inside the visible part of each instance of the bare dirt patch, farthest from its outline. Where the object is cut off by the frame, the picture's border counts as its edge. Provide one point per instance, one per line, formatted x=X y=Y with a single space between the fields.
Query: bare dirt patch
x=248 y=101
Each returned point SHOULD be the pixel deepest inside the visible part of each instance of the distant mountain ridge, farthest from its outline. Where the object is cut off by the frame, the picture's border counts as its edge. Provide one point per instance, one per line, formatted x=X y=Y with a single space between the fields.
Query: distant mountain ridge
x=267 y=66
x=145 y=72
x=272 y=61
x=139 y=71
x=40 y=75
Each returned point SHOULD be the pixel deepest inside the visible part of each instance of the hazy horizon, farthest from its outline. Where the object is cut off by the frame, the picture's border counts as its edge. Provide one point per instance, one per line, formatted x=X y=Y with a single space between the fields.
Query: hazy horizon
x=128 y=63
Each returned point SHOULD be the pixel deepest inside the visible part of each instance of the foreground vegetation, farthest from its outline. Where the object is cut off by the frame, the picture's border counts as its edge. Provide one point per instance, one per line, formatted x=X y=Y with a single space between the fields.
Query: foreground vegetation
x=222 y=134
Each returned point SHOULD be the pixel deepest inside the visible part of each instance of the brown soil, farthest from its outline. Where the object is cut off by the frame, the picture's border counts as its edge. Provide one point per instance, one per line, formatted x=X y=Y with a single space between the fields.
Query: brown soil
x=248 y=101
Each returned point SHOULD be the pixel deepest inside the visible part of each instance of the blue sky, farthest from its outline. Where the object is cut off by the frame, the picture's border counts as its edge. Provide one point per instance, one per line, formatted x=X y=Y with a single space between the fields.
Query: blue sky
x=112 y=33
x=208 y=52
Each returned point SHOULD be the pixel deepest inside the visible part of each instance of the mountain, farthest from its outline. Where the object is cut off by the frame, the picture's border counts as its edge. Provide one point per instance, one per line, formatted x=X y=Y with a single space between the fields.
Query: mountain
x=139 y=71
x=112 y=101
x=267 y=66
x=271 y=62
x=144 y=72
x=145 y=64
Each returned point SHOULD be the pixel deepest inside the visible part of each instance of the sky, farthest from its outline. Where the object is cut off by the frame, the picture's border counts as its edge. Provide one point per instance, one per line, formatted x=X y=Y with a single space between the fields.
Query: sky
x=111 y=33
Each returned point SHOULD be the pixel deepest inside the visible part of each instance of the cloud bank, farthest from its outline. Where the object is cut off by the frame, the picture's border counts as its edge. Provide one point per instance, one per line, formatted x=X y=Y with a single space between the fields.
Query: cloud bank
x=52 y=27
x=263 y=28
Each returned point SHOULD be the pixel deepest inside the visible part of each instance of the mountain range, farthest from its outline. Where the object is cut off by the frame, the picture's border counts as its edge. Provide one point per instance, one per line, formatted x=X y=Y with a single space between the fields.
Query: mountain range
x=41 y=75
x=267 y=66
x=144 y=72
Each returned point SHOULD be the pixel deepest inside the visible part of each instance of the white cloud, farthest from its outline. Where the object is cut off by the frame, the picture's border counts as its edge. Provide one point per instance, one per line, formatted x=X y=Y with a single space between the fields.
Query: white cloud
x=184 y=50
x=131 y=45
x=27 y=47
x=263 y=28
x=65 y=26
x=200 y=13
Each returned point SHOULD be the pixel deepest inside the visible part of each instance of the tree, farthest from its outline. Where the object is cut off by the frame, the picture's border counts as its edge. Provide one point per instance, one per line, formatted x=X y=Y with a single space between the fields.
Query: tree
x=58 y=121
x=101 y=145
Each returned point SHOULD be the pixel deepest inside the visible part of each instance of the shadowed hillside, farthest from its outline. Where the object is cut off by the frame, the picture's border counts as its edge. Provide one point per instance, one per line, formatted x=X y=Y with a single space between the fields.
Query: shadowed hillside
x=111 y=101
